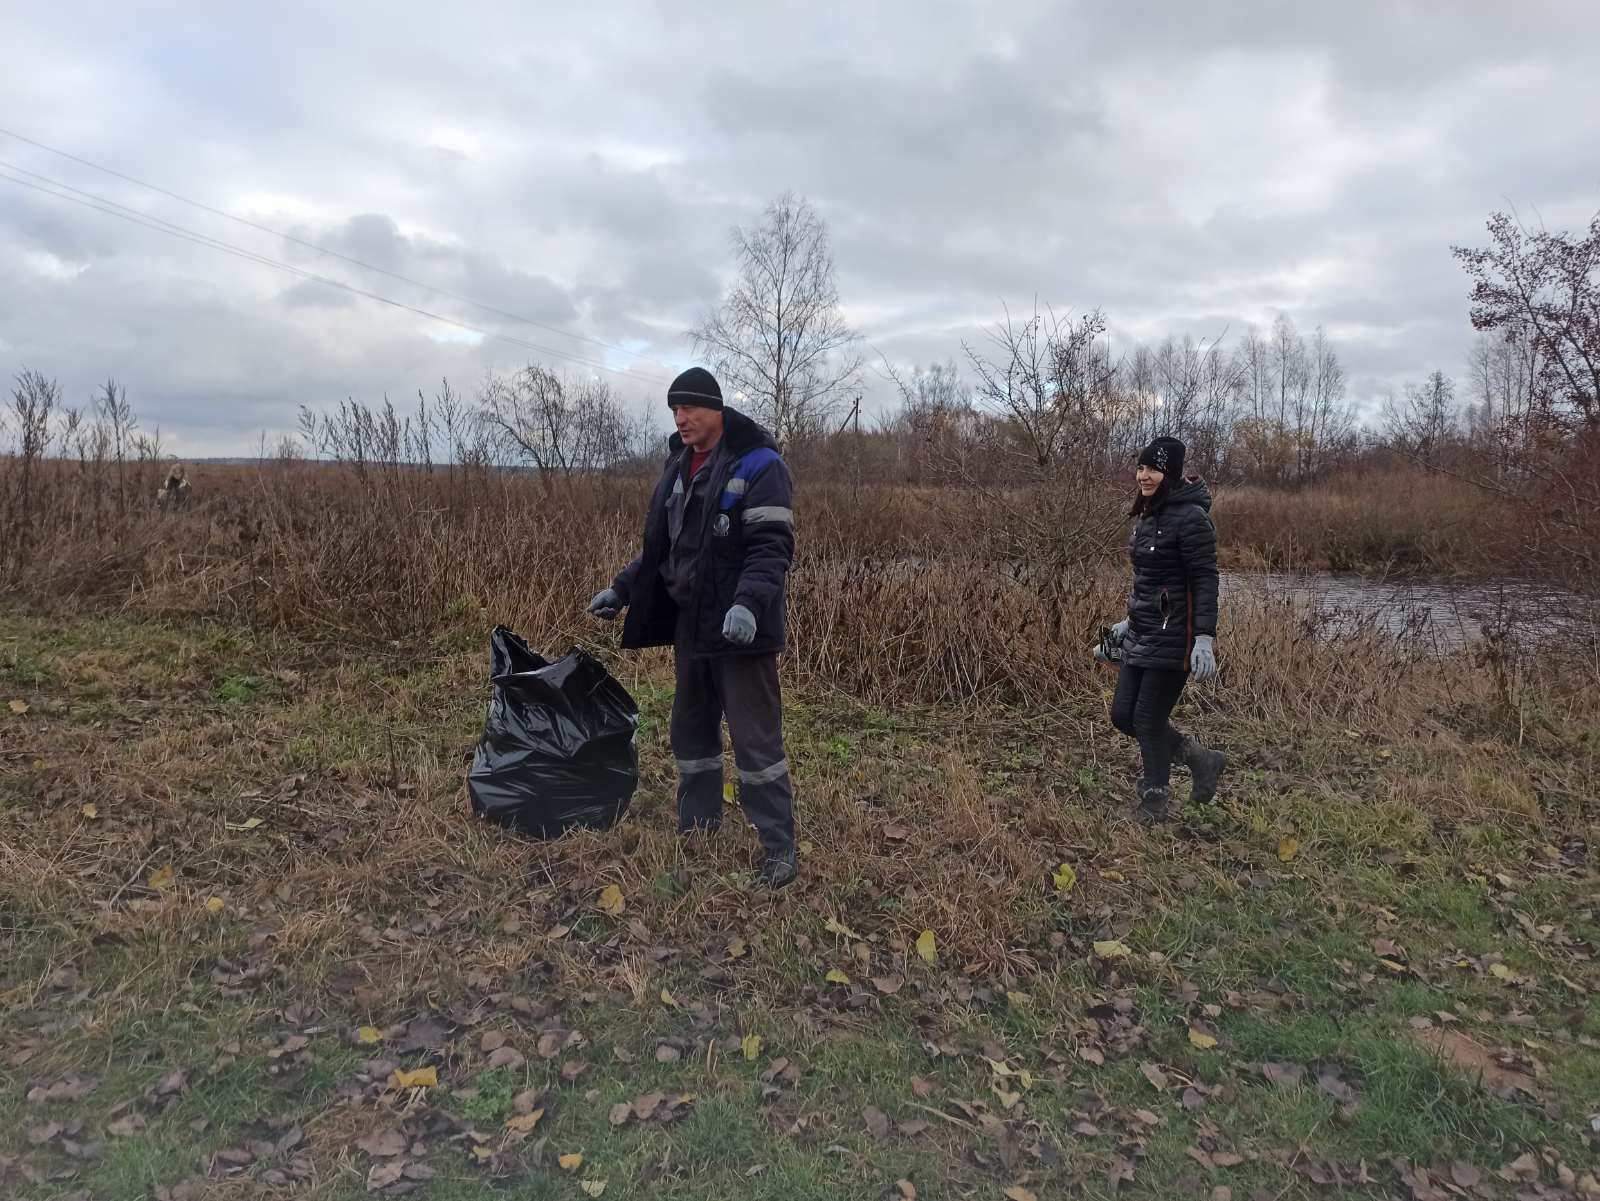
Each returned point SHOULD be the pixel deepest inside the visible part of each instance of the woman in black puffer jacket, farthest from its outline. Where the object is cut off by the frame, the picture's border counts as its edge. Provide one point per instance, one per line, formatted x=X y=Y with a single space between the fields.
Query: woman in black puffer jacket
x=1171 y=625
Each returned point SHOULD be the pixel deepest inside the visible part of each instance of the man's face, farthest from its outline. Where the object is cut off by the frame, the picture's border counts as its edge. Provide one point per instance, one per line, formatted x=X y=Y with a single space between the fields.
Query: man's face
x=699 y=428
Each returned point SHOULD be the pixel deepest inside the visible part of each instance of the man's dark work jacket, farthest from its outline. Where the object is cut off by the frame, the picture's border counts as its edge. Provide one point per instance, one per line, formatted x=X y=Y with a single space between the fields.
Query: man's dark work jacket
x=745 y=545
x=1174 y=596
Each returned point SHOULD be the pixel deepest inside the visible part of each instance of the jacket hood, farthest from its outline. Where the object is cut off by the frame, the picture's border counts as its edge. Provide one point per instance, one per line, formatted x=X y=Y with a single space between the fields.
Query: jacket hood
x=741 y=434
x=1192 y=491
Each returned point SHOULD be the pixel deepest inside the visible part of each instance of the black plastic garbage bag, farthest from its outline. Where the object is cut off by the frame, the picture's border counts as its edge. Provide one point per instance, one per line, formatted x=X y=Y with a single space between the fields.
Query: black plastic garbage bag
x=558 y=748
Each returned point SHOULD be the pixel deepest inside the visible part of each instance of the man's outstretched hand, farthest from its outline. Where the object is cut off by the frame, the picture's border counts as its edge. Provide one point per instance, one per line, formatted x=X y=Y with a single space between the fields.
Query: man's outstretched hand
x=606 y=605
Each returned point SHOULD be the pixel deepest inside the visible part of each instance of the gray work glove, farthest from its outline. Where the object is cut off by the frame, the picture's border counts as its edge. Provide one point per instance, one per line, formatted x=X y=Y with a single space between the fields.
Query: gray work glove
x=606 y=605
x=1203 y=659
x=1120 y=631
x=739 y=626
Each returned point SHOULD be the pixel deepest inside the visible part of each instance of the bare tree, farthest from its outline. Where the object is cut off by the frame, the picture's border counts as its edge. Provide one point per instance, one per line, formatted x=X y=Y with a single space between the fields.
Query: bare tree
x=557 y=424
x=779 y=337
x=113 y=408
x=1425 y=419
x=1546 y=285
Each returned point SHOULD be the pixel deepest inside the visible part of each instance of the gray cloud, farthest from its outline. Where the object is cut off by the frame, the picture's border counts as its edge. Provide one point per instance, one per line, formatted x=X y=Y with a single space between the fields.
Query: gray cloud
x=1189 y=169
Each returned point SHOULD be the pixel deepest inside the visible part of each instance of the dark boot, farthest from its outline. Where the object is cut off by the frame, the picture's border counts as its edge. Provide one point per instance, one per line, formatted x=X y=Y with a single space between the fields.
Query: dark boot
x=1153 y=806
x=779 y=868
x=1206 y=767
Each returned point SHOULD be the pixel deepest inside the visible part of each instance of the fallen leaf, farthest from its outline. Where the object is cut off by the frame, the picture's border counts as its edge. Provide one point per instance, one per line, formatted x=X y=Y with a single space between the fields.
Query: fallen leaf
x=897 y=833
x=523 y=1123
x=907 y=1190
x=507 y=1057
x=834 y=926
x=1092 y=1055
x=667 y=1053
x=644 y=1106
x=736 y=949
x=877 y=1122
x=570 y=1163
x=1064 y=878
x=922 y=1086
x=927 y=946
x=1111 y=948
x=595 y=1187
x=1500 y=971
x=835 y=976
x=383 y=1175
x=90 y=811
x=18 y=707
x=1284 y=1075
x=750 y=1044
x=249 y=823
x=384 y=1144
x=1288 y=847
x=888 y=985
x=126 y=1126
x=162 y=877
x=1155 y=1076
x=368 y=1034
x=667 y=999
x=1200 y=1039
x=215 y=905
x=611 y=900
x=420 y=1078
x=492 y=1040
x=620 y=1113
x=1017 y=1193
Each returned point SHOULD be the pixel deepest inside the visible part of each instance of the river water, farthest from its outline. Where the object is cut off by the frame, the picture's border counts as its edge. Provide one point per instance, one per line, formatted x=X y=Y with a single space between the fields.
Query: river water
x=1435 y=615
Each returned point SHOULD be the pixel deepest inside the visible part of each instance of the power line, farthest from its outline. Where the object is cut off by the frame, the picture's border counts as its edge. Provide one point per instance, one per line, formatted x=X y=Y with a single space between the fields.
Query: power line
x=278 y=233
x=111 y=208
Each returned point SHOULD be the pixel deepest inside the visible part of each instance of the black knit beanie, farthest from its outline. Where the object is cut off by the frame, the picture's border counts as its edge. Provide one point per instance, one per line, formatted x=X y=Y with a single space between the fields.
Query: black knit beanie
x=696 y=387
x=1164 y=455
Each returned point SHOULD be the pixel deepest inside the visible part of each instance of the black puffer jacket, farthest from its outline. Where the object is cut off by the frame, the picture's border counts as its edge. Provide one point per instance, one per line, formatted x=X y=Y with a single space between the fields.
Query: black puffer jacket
x=746 y=549
x=1174 y=597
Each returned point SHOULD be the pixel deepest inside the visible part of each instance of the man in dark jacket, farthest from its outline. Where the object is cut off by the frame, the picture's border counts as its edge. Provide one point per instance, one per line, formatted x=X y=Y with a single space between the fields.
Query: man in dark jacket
x=710 y=583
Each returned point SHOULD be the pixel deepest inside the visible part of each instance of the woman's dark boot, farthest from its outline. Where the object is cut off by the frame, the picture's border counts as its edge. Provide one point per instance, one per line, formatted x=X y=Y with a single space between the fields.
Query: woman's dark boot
x=1152 y=808
x=1206 y=767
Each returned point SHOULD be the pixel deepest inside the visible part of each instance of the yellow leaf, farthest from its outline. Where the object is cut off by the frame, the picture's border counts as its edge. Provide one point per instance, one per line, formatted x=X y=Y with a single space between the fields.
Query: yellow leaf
x=593 y=1187
x=750 y=1044
x=18 y=707
x=667 y=999
x=834 y=926
x=1288 y=847
x=421 y=1078
x=927 y=947
x=483 y=1153
x=368 y=1034
x=1017 y=1193
x=1199 y=1038
x=1500 y=971
x=1114 y=877
x=249 y=823
x=1064 y=878
x=523 y=1123
x=611 y=900
x=571 y=1163
x=215 y=905
x=162 y=877
x=1258 y=824
x=1386 y=754
x=736 y=949
x=90 y=811
x=1399 y=969
x=1111 y=948
x=835 y=976
x=727 y=792
x=1017 y=999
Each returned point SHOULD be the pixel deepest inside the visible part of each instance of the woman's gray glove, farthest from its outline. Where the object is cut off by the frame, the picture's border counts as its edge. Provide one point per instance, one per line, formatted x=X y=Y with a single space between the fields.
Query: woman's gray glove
x=739 y=626
x=1120 y=631
x=606 y=605
x=1203 y=659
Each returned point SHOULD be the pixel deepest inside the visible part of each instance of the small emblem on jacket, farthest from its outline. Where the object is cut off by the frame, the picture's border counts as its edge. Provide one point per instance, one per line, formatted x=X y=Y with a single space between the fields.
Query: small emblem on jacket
x=721 y=526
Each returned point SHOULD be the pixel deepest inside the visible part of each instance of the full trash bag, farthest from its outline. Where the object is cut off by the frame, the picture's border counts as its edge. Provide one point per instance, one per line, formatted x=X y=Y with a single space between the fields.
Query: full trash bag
x=558 y=749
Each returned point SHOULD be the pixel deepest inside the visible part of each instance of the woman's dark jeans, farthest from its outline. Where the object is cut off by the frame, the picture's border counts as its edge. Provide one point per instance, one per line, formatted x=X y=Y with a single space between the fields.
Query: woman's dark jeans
x=1143 y=702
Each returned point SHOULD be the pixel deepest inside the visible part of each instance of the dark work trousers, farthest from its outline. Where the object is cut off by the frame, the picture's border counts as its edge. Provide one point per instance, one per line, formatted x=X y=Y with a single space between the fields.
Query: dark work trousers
x=1143 y=702
x=744 y=688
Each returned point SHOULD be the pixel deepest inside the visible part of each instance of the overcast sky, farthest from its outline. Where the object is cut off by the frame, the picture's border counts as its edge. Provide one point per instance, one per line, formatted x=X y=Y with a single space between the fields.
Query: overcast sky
x=1189 y=168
